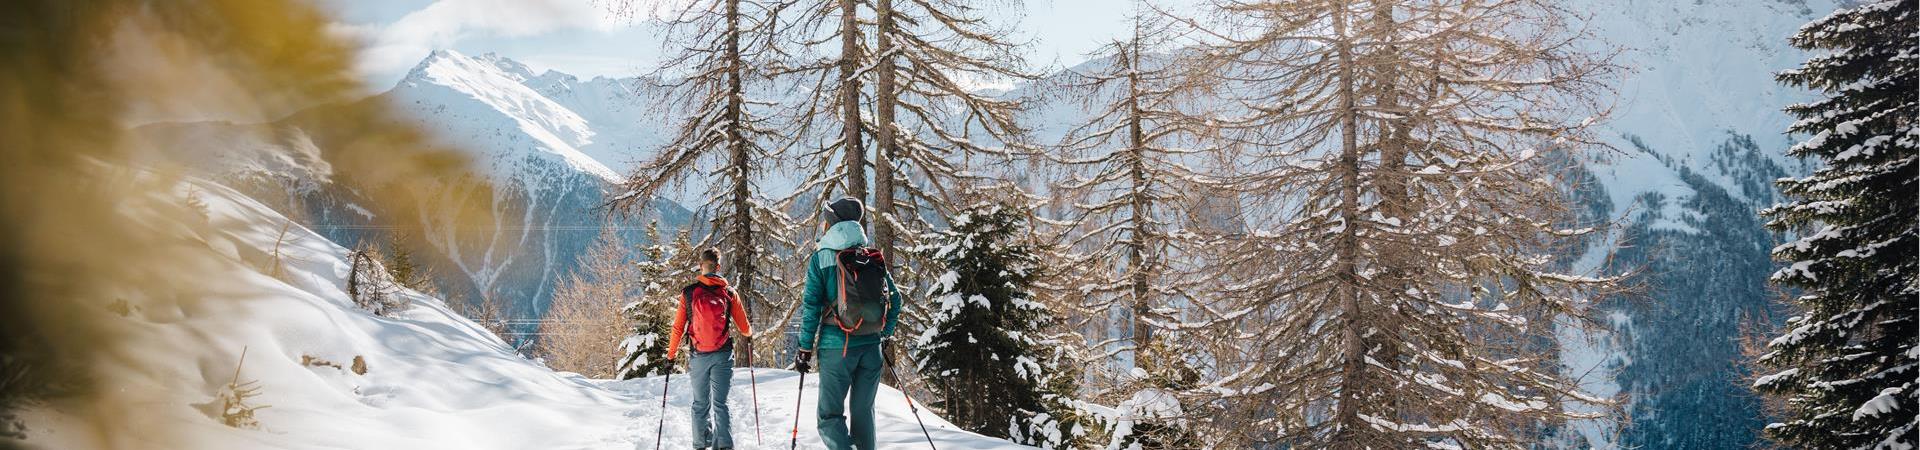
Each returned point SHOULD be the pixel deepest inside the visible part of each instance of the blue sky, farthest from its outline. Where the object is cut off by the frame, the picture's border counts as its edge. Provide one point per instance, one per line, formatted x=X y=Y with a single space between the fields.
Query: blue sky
x=583 y=38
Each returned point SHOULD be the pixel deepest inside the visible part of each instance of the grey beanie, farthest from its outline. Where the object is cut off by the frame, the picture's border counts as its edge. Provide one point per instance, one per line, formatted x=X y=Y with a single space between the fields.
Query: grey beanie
x=844 y=209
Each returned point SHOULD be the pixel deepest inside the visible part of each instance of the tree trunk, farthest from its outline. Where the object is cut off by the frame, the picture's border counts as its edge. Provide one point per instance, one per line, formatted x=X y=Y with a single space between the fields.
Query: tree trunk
x=1353 y=361
x=740 y=237
x=1137 y=249
x=856 y=152
x=885 y=98
x=1391 y=173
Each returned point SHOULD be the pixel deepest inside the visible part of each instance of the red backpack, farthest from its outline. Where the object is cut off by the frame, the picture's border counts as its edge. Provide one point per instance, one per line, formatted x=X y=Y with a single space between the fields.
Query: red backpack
x=710 y=312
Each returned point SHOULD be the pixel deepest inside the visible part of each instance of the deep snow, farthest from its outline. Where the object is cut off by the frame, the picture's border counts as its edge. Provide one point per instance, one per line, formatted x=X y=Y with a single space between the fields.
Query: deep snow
x=434 y=379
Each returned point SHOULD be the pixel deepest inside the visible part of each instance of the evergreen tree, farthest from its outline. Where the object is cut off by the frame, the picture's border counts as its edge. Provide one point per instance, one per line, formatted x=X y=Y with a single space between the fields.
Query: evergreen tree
x=650 y=314
x=990 y=350
x=400 y=264
x=1846 y=366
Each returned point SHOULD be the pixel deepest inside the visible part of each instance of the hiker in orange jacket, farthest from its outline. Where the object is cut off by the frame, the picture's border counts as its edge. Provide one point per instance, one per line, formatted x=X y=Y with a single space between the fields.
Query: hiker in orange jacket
x=705 y=308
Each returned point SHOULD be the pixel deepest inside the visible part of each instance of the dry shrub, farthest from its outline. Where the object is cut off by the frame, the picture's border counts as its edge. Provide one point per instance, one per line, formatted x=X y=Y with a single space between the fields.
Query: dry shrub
x=371 y=286
x=584 y=326
x=235 y=399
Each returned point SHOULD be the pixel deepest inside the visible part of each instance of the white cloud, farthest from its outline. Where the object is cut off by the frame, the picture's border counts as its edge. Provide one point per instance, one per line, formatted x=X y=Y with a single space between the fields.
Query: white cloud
x=398 y=45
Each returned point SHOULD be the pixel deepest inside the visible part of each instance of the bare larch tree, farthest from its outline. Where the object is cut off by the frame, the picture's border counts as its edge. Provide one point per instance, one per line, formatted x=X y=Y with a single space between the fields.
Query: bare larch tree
x=1128 y=164
x=902 y=75
x=583 y=328
x=1399 y=291
x=723 y=47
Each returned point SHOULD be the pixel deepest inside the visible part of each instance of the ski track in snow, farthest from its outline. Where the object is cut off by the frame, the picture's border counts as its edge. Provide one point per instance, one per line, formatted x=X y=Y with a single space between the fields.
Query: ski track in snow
x=897 y=428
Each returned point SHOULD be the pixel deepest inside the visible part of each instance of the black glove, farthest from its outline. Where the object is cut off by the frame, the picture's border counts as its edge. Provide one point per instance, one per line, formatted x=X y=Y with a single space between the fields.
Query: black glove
x=886 y=352
x=746 y=357
x=802 y=362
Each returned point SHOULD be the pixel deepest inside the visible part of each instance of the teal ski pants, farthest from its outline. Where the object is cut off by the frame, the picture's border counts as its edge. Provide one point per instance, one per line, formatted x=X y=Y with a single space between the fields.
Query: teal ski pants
x=712 y=375
x=850 y=378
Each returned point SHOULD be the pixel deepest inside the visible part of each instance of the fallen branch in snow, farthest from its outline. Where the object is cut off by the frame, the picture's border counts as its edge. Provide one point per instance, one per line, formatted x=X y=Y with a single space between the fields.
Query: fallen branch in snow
x=359 y=366
x=234 y=409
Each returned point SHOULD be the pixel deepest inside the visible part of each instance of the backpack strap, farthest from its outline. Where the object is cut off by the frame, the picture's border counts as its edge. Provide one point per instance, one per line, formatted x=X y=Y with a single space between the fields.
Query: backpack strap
x=726 y=312
x=842 y=304
x=888 y=291
x=686 y=309
x=839 y=263
x=818 y=326
x=686 y=306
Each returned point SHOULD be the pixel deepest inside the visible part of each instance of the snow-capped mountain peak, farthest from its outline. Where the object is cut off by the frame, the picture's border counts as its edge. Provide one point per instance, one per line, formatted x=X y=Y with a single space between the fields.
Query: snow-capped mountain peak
x=513 y=69
x=481 y=104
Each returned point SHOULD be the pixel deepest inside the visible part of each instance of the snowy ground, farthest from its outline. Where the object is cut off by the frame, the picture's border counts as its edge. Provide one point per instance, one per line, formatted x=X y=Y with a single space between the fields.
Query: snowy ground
x=897 y=428
x=433 y=379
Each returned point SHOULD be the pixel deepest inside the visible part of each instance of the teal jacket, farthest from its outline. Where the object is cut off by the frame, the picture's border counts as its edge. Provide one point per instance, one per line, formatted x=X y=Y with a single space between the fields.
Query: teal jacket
x=822 y=290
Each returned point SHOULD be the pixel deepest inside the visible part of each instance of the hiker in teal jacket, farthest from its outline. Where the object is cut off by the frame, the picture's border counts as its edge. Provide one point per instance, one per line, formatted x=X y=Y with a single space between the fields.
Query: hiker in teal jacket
x=850 y=366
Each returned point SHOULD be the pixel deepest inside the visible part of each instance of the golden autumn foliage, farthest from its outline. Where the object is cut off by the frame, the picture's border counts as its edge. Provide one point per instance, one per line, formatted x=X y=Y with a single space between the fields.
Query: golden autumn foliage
x=90 y=221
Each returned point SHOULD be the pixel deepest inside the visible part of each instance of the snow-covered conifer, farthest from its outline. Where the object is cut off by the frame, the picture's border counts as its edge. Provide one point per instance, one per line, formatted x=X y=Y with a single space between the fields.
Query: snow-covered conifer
x=1152 y=416
x=1845 y=366
x=993 y=354
x=649 y=315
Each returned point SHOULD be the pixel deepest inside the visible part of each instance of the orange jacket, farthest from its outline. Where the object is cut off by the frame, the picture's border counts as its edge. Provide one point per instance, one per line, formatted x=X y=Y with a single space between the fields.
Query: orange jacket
x=706 y=336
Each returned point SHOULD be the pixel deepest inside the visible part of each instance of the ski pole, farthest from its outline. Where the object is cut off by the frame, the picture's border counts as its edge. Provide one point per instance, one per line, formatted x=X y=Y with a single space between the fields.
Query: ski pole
x=798 y=394
x=754 y=384
x=661 y=432
x=915 y=410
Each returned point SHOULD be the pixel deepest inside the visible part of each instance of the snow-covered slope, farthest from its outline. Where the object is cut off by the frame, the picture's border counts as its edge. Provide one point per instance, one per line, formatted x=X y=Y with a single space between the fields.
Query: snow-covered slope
x=1700 y=73
x=432 y=379
x=1701 y=135
x=547 y=192
x=551 y=168
x=285 y=155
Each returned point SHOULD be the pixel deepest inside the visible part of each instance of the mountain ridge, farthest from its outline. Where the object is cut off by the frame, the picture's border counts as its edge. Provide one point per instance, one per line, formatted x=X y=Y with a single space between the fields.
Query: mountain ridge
x=450 y=83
